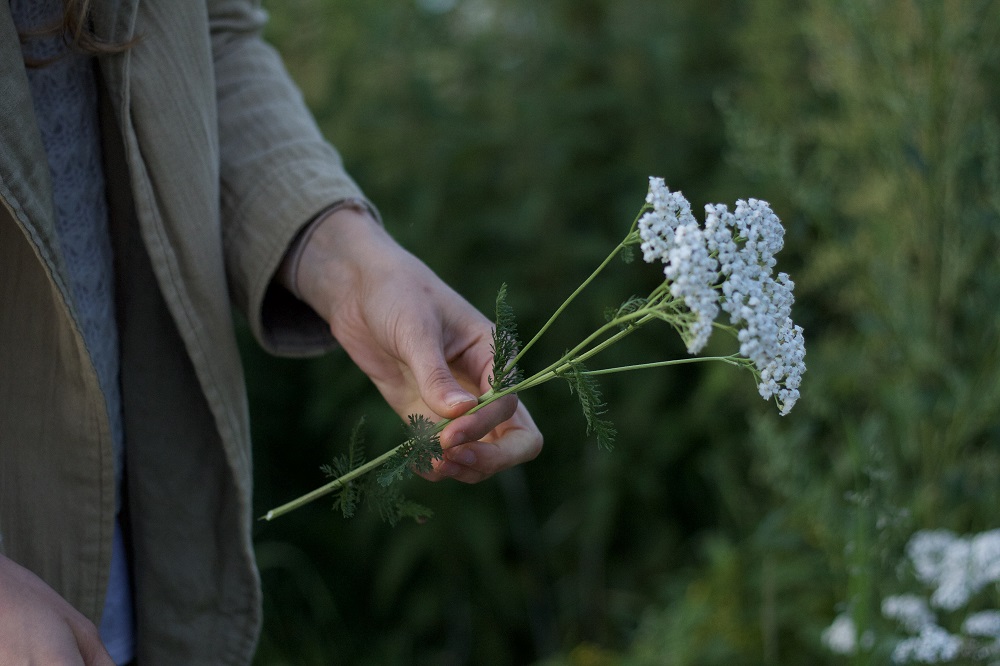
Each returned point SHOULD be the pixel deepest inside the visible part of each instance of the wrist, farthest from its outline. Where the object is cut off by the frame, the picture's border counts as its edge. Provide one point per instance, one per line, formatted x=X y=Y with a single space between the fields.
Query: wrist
x=327 y=257
x=288 y=271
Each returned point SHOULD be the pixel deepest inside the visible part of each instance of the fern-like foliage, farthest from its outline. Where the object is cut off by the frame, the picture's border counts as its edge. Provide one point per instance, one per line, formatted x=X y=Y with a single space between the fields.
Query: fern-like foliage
x=348 y=496
x=589 y=394
x=392 y=507
x=505 y=345
x=378 y=493
x=632 y=304
x=421 y=448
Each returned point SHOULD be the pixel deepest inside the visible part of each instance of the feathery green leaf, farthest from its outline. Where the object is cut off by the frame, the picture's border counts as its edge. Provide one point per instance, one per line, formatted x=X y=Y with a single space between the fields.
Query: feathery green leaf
x=420 y=449
x=632 y=304
x=505 y=345
x=589 y=394
x=347 y=497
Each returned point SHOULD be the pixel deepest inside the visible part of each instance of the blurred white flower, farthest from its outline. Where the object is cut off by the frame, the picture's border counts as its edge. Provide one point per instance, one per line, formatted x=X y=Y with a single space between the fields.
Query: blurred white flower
x=955 y=567
x=909 y=610
x=933 y=645
x=985 y=624
x=841 y=637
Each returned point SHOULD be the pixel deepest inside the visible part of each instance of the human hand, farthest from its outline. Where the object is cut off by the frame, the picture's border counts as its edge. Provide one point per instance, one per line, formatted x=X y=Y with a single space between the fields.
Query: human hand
x=38 y=627
x=426 y=349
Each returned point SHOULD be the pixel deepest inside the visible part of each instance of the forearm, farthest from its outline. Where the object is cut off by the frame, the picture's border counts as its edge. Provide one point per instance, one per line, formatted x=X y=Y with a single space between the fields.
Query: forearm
x=276 y=173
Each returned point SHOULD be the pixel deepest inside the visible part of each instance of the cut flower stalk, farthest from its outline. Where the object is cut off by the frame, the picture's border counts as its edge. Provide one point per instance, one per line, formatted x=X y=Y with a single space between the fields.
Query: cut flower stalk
x=725 y=264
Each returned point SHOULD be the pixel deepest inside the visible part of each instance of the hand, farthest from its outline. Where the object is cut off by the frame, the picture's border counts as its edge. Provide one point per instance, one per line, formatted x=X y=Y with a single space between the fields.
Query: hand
x=37 y=626
x=426 y=349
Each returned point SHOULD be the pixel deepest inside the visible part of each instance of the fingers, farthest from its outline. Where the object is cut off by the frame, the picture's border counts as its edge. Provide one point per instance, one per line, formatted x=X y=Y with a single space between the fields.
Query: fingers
x=437 y=385
x=88 y=641
x=516 y=441
x=38 y=626
x=474 y=427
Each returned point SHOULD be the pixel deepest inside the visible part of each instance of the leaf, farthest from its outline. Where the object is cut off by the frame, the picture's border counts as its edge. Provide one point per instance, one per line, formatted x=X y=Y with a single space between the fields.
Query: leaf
x=418 y=452
x=505 y=345
x=347 y=497
x=589 y=394
x=631 y=304
x=392 y=507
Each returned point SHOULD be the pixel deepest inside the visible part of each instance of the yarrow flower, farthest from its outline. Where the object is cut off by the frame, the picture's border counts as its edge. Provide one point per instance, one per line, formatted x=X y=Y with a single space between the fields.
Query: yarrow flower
x=734 y=253
x=955 y=567
x=909 y=610
x=754 y=300
x=692 y=274
x=985 y=624
x=933 y=645
x=657 y=227
x=841 y=637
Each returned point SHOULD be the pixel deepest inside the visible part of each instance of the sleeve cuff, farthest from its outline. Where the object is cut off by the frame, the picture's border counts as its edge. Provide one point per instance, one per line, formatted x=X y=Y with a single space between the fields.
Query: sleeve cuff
x=289 y=326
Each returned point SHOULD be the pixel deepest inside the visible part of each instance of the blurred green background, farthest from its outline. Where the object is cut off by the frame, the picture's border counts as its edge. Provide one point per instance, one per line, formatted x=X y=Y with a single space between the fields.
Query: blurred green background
x=510 y=141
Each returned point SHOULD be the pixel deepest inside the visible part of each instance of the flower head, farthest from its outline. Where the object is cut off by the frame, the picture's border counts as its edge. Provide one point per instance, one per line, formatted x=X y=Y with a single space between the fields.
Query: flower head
x=933 y=645
x=955 y=567
x=841 y=637
x=692 y=273
x=909 y=610
x=657 y=227
x=671 y=234
x=739 y=247
x=746 y=242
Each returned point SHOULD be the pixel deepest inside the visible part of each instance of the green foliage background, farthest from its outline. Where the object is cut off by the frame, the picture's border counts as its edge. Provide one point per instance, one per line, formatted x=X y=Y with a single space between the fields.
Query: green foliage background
x=510 y=141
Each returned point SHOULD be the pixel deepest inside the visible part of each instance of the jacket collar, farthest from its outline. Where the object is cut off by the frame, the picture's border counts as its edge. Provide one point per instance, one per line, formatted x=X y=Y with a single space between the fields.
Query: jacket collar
x=25 y=185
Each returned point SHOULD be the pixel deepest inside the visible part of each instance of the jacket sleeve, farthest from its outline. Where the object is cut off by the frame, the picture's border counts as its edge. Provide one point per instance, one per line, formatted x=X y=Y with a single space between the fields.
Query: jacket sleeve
x=277 y=172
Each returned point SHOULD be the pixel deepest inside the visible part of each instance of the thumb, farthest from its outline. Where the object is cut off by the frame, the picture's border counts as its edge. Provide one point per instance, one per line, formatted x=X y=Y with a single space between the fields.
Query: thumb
x=438 y=387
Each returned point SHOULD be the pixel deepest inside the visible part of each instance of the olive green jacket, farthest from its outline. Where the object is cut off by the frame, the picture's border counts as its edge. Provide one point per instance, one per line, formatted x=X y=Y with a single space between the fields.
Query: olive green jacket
x=213 y=164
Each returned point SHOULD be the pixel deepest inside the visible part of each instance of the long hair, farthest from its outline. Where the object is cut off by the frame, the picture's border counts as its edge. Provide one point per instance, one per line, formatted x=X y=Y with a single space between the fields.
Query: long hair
x=76 y=32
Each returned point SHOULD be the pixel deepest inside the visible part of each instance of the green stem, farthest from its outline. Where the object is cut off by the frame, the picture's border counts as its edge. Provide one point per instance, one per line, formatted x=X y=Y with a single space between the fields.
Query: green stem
x=361 y=470
x=339 y=482
x=732 y=360
x=555 y=315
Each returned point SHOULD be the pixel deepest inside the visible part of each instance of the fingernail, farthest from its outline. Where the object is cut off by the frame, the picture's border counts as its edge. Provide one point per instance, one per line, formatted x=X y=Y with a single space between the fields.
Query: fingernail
x=458 y=397
x=448 y=468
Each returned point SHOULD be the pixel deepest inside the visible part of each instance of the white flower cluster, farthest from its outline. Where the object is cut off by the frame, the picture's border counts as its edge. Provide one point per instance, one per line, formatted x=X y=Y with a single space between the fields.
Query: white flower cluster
x=671 y=234
x=911 y=611
x=740 y=247
x=841 y=637
x=755 y=300
x=933 y=645
x=955 y=567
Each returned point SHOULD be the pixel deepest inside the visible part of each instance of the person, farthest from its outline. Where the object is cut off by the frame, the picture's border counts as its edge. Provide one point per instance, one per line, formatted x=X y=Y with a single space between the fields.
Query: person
x=157 y=171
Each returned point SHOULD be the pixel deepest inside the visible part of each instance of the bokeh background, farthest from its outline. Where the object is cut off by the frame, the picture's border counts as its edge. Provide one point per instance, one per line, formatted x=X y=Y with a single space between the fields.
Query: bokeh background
x=511 y=141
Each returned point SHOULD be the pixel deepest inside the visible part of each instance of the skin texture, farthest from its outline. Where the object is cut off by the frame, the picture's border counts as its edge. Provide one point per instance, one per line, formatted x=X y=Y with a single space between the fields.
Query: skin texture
x=38 y=627
x=426 y=349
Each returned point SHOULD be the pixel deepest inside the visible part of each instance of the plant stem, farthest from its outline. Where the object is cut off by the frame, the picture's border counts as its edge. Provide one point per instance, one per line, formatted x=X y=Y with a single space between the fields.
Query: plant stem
x=361 y=470
x=330 y=487
x=555 y=315
x=732 y=360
